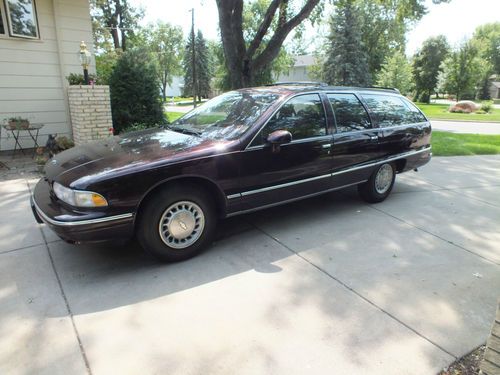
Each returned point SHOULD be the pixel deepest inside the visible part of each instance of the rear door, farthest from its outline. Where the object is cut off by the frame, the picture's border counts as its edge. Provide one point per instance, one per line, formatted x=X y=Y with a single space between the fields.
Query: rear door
x=355 y=141
x=402 y=126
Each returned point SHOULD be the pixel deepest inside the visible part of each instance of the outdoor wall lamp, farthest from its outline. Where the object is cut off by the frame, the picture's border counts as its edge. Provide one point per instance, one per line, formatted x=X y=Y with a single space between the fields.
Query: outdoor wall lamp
x=84 y=57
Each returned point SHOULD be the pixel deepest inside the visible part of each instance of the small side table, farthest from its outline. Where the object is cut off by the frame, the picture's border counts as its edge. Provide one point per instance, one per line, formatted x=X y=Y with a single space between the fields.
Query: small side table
x=33 y=131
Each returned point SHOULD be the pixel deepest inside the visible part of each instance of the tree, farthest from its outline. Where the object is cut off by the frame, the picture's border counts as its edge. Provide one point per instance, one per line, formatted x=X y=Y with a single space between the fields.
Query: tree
x=203 y=62
x=346 y=60
x=245 y=61
x=396 y=72
x=461 y=72
x=427 y=64
x=134 y=90
x=164 y=42
x=113 y=20
x=486 y=39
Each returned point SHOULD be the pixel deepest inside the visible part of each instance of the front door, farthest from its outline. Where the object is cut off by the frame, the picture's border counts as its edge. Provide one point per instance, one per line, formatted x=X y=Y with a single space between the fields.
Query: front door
x=270 y=175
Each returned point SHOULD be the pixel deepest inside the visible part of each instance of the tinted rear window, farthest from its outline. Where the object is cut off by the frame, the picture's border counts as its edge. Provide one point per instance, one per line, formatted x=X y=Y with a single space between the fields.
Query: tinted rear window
x=392 y=110
x=350 y=115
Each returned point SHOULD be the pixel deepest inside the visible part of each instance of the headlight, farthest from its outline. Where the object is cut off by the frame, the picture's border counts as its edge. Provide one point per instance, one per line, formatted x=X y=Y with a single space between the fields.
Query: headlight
x=79 y=198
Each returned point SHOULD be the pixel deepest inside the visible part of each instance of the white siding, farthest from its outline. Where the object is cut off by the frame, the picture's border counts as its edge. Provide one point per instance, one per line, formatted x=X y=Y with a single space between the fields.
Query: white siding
x=32 y=72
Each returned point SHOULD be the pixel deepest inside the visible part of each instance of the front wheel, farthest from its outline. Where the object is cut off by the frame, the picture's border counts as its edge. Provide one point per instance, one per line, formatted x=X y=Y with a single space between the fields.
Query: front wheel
x=380 y=184
x=176 y=223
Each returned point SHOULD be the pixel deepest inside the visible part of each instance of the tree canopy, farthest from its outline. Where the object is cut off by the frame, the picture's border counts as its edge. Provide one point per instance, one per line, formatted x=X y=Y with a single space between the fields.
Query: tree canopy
x=204 y=67
x=427 y=64
x=396 y=72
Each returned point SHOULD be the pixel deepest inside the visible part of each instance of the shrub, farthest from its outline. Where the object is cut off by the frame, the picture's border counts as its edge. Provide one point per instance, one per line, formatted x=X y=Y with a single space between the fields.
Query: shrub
x=135 y=97
x=487 y=107
x=136 y=127
x=78 y=79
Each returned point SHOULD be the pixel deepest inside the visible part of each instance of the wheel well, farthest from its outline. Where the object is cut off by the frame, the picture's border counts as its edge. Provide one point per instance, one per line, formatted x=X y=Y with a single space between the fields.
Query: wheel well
x=199 y=183
x=400 y=165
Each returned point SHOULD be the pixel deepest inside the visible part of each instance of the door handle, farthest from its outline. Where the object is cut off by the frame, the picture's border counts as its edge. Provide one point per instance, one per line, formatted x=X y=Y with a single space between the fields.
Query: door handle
x=326 y=146
x=373 y=137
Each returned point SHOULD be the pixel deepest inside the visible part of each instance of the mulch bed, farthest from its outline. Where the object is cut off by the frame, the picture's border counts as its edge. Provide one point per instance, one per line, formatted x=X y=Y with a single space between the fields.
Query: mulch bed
x=467 y=365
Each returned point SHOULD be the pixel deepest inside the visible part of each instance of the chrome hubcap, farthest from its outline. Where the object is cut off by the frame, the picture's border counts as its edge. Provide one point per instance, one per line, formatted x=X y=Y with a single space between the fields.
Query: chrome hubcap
x=383 y=179
x=181 y=224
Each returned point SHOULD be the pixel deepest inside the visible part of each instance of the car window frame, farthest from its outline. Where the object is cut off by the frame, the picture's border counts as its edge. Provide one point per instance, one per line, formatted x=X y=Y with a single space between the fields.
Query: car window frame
x=303 y=140
x=374 y=124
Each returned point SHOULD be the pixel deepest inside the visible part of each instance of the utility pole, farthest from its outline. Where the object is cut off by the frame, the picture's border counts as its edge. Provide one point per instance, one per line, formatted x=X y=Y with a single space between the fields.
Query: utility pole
x=193 y=57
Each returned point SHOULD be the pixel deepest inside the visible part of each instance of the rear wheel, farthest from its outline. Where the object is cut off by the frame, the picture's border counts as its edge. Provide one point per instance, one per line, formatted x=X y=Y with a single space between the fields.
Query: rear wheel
x=176 y=223
x=380 y=184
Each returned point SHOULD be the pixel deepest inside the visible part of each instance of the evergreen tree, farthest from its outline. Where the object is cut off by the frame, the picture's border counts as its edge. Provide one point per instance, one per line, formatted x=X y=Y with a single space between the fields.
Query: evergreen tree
x=427 y=66
x=134 y=90
x=396 y=72
x=203 y=64
x=346 y=60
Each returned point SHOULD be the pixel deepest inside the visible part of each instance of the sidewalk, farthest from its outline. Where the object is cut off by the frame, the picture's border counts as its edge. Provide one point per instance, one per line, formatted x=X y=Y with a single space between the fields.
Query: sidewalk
x=466 y=127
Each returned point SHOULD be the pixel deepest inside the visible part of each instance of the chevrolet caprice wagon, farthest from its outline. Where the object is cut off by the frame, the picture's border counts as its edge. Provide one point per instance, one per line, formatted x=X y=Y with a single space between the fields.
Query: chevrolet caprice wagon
x=242 y=151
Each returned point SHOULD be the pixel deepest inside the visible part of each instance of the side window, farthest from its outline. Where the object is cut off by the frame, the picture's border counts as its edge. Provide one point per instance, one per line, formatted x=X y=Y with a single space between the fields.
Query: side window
x=350 y=115
x=22 y=18
x=392 y=110
x=415 y=114
x=303 y=116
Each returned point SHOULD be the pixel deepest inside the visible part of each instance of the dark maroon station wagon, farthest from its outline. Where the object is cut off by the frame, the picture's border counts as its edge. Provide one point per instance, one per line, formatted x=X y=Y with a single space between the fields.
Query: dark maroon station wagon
x=242 y=151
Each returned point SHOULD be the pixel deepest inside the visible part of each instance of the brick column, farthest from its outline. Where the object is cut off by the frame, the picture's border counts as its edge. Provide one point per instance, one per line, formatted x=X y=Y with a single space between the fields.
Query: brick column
x=90 y=111
x=491 y=362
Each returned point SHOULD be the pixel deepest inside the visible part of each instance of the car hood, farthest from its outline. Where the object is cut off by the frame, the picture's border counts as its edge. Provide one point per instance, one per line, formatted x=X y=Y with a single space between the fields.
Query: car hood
x=118 y=155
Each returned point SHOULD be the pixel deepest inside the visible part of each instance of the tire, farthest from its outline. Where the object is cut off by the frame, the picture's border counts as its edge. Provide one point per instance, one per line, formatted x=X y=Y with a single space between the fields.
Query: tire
x=380 y=184
x=177 y=223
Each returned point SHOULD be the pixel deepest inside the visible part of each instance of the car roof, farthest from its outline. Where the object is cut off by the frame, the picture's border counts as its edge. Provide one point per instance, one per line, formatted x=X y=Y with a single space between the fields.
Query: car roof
x=299 y=87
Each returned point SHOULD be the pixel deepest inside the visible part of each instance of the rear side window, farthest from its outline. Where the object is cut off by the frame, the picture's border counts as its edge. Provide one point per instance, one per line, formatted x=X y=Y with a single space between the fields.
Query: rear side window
x=392 y=110
x=350 y=115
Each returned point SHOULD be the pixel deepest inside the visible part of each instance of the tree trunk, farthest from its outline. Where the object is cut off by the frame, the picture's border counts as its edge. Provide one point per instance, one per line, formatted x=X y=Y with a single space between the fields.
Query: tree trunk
x=242 y=63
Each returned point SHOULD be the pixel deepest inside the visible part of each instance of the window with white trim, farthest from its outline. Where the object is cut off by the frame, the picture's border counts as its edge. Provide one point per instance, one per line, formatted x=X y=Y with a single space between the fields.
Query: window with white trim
x=18 y=19
x=2 y=21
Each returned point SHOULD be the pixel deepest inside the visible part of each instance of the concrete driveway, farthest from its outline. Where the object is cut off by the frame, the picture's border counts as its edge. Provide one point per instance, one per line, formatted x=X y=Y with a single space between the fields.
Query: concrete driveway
x=329 y=285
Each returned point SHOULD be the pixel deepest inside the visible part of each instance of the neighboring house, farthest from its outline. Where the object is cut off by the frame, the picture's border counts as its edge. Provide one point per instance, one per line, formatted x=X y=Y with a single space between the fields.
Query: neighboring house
x=175 y=89
x=495 y=89
x=300 y=70
x=39 y=41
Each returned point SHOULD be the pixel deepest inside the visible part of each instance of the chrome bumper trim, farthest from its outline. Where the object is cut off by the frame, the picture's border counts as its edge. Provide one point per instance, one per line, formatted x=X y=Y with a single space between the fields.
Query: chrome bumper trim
x=81 y=222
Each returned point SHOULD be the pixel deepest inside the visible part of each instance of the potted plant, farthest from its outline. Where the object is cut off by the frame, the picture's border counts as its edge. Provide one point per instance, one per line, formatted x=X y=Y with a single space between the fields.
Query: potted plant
x=18 y=123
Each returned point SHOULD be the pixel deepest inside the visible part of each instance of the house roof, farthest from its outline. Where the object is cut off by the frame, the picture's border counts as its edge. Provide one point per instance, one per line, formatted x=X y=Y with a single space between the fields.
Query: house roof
x=303 y=60
x=496 y=84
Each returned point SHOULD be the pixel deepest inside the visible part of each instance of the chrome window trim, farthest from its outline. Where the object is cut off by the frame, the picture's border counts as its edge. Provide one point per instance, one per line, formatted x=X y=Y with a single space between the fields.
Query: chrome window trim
x=368 y=165
x=327 y=137
x=277 y=109
x=81 y=222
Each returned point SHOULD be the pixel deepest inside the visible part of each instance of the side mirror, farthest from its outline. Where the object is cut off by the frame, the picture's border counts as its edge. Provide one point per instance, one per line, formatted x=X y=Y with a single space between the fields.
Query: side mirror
x=278 y=138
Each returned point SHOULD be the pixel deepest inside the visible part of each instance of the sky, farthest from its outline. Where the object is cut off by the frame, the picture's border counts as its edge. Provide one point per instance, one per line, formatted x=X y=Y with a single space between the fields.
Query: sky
x=457 y=19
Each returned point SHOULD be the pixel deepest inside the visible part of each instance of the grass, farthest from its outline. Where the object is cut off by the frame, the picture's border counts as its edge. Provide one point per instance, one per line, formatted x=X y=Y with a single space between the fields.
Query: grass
x=451 y=144
x=172 y=116
x=440 y=112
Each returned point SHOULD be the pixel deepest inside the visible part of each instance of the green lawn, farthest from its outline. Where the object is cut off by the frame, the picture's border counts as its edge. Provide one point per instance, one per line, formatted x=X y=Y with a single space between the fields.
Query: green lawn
x=440 y=112
x=451 y=144
x=172 y=116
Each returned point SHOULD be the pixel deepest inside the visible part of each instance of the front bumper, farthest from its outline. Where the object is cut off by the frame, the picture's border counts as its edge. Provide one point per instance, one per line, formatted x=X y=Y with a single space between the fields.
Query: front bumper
x=79 y=226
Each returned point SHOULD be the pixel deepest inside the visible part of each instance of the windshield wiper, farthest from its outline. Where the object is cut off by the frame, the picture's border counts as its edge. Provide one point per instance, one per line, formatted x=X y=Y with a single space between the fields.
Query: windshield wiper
x=183 y=130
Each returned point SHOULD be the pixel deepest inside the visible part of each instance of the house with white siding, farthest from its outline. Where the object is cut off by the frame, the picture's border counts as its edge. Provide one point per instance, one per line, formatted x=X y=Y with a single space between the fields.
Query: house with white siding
x=300 y=71
x=39 y=42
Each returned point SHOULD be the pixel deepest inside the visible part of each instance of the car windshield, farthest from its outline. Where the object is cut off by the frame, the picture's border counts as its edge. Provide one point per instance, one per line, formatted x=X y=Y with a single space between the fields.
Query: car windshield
x=227 y=116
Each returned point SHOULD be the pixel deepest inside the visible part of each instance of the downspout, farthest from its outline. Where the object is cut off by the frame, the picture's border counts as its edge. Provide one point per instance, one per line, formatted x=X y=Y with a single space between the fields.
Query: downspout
x=57 y=14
